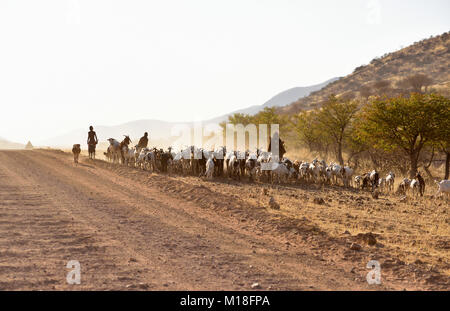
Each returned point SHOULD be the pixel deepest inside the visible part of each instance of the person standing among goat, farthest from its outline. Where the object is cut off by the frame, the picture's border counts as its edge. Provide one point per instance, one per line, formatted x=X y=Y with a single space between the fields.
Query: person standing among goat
x=281 y=147
x=92 y=141
x=143 y=142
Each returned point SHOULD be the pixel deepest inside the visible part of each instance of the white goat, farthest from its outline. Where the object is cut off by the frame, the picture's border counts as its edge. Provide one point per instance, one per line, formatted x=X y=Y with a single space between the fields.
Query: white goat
x=390 y=180
x=280 y=171
x=414 y=185
x=444 y=187
x=209 y=173
x=314 y=171
x=335 y=172
x=303 y=170
x=346 y=174
x=129 y=156
x=114 y=150
x=404 y=185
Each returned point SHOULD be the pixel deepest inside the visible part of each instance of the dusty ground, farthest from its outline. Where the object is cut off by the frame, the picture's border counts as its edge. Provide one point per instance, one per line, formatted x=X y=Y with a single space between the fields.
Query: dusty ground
x=133 y=230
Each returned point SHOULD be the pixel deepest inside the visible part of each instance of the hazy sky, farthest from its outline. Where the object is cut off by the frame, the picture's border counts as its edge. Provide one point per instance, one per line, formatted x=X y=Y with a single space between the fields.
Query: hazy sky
x=66 y=64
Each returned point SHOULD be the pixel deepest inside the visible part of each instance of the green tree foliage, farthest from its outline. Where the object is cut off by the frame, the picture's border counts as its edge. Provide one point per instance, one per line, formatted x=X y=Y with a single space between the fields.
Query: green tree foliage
x=268 y=116
x=405 y=123
x=329 y=126
x=240 y=118
x=305 y=127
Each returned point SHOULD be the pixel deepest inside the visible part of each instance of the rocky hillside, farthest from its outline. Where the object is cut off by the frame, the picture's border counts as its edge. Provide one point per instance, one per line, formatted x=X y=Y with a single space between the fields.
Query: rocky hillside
x=428 y=59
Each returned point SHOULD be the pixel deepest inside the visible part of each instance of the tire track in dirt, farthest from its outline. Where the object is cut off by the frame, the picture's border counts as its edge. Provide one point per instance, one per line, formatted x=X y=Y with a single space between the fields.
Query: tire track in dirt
x=200 y=260
x=156 y=232
x=38 y=236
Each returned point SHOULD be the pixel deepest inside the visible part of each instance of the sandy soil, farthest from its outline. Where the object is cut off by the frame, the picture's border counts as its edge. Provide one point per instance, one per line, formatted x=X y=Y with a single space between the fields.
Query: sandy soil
x=132 y=230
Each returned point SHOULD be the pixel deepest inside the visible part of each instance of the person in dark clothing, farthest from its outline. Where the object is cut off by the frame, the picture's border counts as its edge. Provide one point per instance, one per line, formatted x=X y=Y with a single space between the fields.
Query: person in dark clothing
x=143 y=142
x=421 y=184
x=282 y=148
x=92 y=141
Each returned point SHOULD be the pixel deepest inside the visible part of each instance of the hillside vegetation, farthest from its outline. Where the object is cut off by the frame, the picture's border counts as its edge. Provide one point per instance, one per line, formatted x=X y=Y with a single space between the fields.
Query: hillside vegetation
x=387 y=74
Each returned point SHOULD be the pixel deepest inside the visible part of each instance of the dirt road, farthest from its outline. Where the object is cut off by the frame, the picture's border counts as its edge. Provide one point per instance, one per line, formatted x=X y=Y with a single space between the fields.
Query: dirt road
x=131 y=230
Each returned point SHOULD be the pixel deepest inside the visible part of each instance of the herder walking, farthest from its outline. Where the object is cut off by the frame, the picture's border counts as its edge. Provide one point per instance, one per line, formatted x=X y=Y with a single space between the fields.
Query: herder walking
x=92 y=141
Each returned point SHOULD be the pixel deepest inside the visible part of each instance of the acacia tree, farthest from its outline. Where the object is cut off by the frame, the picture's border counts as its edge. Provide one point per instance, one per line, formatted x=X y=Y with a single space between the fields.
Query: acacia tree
x=240 y=118
x=305 y=127
x=335 y=120
x=330 y=125
x=416 y=82
x=405 y=123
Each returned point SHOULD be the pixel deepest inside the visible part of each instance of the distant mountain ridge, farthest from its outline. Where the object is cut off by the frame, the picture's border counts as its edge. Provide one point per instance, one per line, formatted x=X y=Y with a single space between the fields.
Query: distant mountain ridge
x=161 y=130
x=281 y=99
x=6 y=144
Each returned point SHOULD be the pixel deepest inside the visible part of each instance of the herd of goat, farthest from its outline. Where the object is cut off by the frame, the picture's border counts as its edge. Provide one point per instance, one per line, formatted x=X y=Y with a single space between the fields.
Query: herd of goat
x=259 y=165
